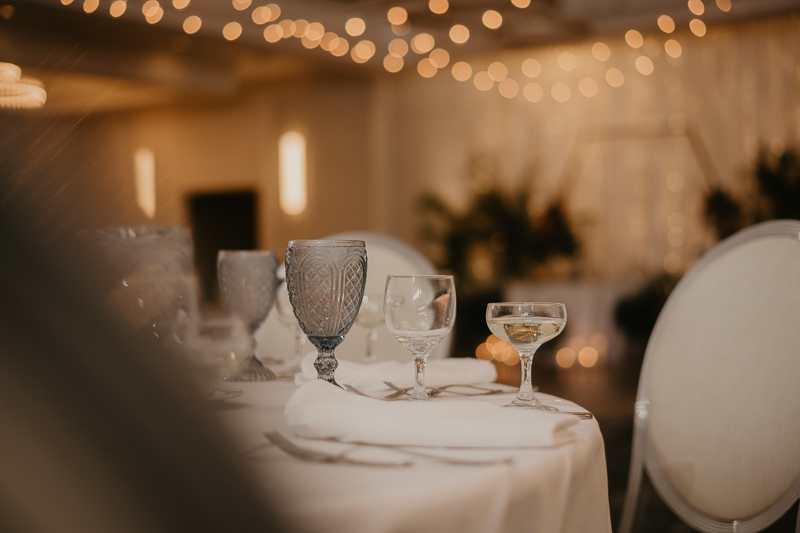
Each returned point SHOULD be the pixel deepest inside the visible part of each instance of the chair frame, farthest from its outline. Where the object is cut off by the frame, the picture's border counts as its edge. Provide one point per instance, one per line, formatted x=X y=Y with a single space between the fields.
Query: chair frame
x=643 y=457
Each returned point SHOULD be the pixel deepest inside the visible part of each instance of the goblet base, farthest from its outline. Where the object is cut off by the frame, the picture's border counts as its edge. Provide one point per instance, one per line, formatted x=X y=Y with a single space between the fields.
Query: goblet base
x=251 y=369
x=532 y=404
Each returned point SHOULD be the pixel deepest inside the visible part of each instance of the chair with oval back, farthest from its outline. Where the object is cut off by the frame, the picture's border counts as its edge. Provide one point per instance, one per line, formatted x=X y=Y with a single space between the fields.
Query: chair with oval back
x=385 y=255
x=717 y=419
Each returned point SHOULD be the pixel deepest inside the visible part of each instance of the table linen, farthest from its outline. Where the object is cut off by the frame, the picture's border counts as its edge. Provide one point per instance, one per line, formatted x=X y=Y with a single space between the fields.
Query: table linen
x=557 y=489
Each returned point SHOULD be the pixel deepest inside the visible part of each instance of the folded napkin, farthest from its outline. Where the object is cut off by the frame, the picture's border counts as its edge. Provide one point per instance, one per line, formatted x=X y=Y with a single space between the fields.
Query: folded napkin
x=321 y=410
x=438 y=372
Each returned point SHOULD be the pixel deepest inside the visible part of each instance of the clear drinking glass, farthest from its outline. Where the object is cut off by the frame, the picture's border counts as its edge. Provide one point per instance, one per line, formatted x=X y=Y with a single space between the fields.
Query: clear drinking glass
x=247 y=283
x=526 y=326
x=326 y=285
x=370 y=316
x=419 y=311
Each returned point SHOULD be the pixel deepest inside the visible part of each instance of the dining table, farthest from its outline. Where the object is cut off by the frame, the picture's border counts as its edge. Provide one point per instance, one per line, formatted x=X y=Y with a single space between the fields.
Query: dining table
x=438 y=489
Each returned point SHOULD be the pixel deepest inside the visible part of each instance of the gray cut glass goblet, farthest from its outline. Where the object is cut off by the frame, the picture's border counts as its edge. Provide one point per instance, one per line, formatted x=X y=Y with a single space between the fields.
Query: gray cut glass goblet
x=326 y=285
x=248 y=283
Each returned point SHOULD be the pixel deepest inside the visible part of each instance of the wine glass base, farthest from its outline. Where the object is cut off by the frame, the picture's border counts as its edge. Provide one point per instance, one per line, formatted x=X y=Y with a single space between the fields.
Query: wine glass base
x=532 y=404
x=251 y=369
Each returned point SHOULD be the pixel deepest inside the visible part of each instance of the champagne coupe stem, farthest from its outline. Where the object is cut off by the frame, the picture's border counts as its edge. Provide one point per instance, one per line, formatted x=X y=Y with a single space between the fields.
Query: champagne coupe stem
x=525 y=387
x=419 y=378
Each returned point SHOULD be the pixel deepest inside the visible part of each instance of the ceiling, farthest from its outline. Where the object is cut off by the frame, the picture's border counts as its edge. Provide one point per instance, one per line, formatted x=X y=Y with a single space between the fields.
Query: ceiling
x=94 y=62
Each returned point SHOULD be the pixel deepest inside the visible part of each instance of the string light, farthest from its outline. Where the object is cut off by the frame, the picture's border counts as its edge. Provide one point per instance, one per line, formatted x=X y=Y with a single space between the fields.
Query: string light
x=497 y=71
x=192 y=24
x=422 y=43
x=531 y=68
x=644 y=65
x=587 y=87
x=462 y=71
x=459 y=34
x=393 y=63
x=614 y=77
x=315 y=31
x=398 y=48
x=261 y=15
x=666 y=24
x=696 y=7
x=363 y=51
x=328 y=41
x=601 y=51
x=355 y=27
x=533 y=92
x=560 y=92
x=300 y=28
x=724 y=5
x=426 y=68
x=492 y=19
x=241 y=5
x=567 y=61
x=117 y=8
x=440 y=58
x=288 y=28
x=438 y=6
x=150 y=8
x=521 y=3
x=698 y=27
x=90 y=6
x=509 y=88
x=273 y=33
x=232 y=31
x=342 y=46
x=180 y=4
x=66 y=2
x=482 y=81
x=634 y=39
x=673 y=48
x=155 y=16
x=397 y=15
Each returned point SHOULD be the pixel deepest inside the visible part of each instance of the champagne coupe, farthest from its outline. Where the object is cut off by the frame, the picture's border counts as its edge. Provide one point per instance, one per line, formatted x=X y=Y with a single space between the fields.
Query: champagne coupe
x=526 y=326
x=247 y=283
x=420 y=311
x=370 y=316
x=326 y=282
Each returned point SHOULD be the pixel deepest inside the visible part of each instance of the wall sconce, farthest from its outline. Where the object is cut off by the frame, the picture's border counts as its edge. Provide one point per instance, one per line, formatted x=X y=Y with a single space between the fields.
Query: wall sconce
x=144 y=162
x=292 y=172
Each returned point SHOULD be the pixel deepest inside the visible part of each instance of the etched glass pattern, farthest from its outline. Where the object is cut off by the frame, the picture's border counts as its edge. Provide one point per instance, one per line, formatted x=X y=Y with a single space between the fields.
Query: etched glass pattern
x=326 y=286
x=248 y=284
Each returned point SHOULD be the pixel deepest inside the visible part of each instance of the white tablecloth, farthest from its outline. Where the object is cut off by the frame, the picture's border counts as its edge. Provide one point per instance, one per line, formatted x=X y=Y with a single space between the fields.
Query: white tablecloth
x=558 y=489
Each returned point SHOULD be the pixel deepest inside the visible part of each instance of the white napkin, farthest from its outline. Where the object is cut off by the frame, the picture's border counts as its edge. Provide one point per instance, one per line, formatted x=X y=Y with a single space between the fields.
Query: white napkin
x=438 y=372
x=321 y=410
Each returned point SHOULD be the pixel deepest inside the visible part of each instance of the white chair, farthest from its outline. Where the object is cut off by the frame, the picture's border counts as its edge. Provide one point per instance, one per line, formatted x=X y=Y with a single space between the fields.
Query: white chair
x=717 y=419
x=385 y=255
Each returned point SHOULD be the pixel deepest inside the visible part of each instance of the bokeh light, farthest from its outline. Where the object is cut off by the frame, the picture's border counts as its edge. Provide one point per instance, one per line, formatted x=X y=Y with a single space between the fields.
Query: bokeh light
x=509 y=88
x=614 y=77
x=698 y=27
x=261 y=15
x=644 y=65
x=672 y=262
x=560 y=92
x=482 y=81
x=587 y=357
x=440 y=58
x=492 y=19
x=673 y=48
x=363 y=51
x=90 y=6
x=666 y=23
x=522 y=4
x=565 y=357
x=341 y=48
x=438 y=6
x=397 y=15
x=497 y=71
x=180 y=4
x=422 y=43
x=355 y=27
x=533 y=92
x=273 y=33
x=462 y=71
x=724 y=5
x=459 y=34
x=393 y=63
x=426 y=68
x=588 y=87
x=601 y=51
x=531 y=68
x=117 y=8
x=675 y=181
x=567 y=61
x=232 y=31
x=241 y=5
x=634 y=39
x=192 y=24
x=398 y=47
x=697 y=7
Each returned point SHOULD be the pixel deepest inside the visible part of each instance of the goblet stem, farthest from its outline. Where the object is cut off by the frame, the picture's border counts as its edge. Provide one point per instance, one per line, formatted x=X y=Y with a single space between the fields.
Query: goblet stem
x=419 y=379
x=326 y=365
x=372 y=336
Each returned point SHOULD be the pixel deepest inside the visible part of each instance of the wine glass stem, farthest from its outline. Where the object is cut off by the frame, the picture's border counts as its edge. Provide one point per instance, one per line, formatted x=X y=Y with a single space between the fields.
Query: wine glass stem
x=525 y=387
x=371 y=338
x=419 y=379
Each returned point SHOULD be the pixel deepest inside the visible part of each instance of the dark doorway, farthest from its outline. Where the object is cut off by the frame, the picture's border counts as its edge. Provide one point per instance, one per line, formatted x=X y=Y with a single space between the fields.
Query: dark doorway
x=220 y=221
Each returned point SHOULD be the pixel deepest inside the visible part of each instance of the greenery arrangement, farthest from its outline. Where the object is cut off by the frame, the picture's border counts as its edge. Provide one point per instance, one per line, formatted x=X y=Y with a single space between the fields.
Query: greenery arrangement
x=772 y=191
x=493 y=241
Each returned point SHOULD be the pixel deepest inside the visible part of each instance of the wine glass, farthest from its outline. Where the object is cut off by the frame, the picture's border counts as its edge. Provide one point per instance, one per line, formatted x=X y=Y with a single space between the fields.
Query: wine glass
x=370 y=316
x=247 y=283
x=420 y=311
x=526 y=326
x=326 y=284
